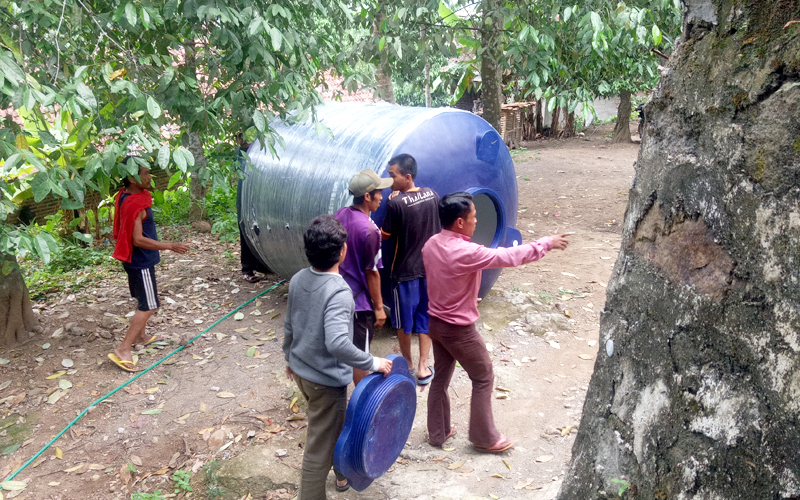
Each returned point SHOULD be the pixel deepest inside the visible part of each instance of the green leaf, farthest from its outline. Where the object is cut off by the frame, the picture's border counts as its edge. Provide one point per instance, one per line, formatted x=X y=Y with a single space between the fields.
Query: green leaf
x=11 y=161
x=86 y=238
x=597 y=23
x=176 y=177
x=179 y=160
x=12 y=72
x=130 y=14
x=169 y=8
x=567 y=14
x=8 y=450
x=277 y=38
x=87 y=95
x=48 y=139
x=58 y=189
x=381 y=43
x=258 y=120
x=40 y=186
x=42 y=248
x=153 y=108
x=69 y=204
x=154 y=411
x=188 y=155
x=447 y=15
x=163 y=156
x=256 y=25
x=250 y=352
x=398 y=47
x=656 y=35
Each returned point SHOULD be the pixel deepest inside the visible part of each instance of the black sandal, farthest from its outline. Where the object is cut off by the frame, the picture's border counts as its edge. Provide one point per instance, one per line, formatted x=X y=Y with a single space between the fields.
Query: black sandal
x=344 y=488
x=251 y=278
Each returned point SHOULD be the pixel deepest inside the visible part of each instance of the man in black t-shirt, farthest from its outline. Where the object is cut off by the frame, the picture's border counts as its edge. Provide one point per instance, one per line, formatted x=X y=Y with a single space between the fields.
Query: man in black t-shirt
x=412 y=216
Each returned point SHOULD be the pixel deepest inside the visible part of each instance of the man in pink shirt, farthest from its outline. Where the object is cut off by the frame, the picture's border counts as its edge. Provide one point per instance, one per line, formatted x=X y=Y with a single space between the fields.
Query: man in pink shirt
x=453 y=266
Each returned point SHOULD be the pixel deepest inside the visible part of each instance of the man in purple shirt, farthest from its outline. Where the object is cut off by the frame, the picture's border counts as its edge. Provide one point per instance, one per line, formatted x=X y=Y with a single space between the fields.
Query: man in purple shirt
x=363 y=258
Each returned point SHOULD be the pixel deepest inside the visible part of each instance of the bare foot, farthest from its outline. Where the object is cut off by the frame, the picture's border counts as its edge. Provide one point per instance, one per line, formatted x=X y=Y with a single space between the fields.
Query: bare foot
x=124 y=356
x=423 y=371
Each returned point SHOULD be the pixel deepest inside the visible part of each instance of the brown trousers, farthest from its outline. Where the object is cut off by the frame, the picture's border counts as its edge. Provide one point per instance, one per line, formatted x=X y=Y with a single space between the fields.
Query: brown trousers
x=464 y=344
x=326 y=411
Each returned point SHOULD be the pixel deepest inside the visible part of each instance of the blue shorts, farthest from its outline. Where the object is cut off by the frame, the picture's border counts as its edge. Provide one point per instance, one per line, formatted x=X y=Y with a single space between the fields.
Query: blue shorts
x=410 y=306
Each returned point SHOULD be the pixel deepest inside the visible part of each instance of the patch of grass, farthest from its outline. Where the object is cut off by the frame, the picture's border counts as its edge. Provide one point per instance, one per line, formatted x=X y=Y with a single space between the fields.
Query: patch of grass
x=213 y=489
x=518 y=152
x=181 y=479
x=156 y=495
x=70 y=270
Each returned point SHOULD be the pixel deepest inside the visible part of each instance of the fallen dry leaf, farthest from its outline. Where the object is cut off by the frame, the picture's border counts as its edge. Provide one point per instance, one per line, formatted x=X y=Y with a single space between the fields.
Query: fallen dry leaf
x=59 y=454
x=585 y=356
x=566 y=430
x=226 y=394
x=497 y=474
x=455 y=465
x=523 y=484
x=448 y=449
x=544 y=458
x=135 y=460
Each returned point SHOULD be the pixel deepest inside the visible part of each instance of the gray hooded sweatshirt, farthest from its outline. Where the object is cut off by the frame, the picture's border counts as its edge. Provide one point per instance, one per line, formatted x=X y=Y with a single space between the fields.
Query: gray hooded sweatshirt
x=318 y=330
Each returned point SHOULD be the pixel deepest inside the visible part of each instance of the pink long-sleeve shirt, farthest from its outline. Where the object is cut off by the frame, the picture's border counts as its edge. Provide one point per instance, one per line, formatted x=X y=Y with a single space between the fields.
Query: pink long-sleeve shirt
x=453 y=267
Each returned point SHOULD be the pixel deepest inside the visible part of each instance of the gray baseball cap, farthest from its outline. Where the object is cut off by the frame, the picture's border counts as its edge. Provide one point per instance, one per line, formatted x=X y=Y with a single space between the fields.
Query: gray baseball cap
x=367 y=181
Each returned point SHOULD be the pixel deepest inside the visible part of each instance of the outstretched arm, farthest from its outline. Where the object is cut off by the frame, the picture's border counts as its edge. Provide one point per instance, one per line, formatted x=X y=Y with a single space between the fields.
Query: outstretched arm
x=140 y=240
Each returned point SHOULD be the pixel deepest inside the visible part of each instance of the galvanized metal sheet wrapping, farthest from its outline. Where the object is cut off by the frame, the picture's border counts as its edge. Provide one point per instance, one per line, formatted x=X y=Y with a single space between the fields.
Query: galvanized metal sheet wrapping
x=455 y=151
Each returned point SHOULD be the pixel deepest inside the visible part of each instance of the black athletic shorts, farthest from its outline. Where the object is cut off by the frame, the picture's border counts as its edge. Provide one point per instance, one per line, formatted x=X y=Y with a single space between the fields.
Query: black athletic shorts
x=142 y=283
x=363 y=329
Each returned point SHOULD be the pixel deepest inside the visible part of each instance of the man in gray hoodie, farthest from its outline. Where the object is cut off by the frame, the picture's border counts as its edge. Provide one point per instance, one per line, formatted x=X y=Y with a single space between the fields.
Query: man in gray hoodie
x=320 y=355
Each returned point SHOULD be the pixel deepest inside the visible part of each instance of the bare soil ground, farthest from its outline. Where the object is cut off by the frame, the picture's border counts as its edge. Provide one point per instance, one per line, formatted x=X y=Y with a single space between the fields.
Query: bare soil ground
x=227 y=390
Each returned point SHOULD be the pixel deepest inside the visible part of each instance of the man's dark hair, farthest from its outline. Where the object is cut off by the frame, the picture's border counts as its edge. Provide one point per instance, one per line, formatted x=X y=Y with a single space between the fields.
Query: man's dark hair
x=323 y=241
x=453 y=206
x=406 y=164
x=359 y=200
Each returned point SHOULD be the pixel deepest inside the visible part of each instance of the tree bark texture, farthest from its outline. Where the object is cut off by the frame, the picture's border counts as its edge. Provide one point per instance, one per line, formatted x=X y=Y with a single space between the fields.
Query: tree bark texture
x=383 y=74
x=555 y=122
x=197 y=188
x=539 y=118
x=696 y=387
x=622 y=130
x=16 y=313
x=569 y=125
x=491 y=70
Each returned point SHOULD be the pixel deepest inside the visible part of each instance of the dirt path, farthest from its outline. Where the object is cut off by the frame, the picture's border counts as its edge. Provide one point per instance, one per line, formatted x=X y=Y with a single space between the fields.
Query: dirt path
x=228 y=390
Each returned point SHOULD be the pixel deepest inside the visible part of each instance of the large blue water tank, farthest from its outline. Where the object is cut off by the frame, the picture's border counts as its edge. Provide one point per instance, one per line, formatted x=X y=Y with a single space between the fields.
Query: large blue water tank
x=455 y=151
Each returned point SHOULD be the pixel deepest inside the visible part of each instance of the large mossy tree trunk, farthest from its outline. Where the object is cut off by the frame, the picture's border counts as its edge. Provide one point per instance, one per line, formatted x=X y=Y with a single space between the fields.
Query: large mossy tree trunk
x=622 y=130
x=16 y=313
x=696 y=388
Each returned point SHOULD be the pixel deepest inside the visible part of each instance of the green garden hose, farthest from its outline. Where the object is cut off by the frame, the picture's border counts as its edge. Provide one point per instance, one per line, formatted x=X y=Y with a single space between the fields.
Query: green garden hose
x=180 y=348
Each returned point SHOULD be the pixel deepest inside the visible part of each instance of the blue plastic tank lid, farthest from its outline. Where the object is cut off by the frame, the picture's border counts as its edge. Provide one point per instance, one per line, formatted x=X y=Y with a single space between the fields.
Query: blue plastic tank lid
x=377 y=425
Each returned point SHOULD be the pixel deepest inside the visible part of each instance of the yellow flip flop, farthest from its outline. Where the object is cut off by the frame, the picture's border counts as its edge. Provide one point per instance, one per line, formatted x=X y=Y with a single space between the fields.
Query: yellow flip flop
x=154 y=338
x=128 y=366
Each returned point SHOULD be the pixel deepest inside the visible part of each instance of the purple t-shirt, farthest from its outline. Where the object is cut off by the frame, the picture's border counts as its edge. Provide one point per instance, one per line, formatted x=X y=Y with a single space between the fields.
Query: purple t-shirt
x=363 y=253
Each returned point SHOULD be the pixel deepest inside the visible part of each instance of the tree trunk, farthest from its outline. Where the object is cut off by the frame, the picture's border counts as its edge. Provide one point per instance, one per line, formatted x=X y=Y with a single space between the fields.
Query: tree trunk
x=16 y=313
x=539 y=117
x=622 y=130
x=383 y=73
x=197 y=187
x=422 y=34
x=491 y=70
x=555 y=122
x=569 y=125
x=696 y=387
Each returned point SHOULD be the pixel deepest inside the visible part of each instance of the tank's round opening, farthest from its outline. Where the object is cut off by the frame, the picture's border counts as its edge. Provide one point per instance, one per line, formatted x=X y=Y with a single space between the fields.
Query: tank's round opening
x=491 y=218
